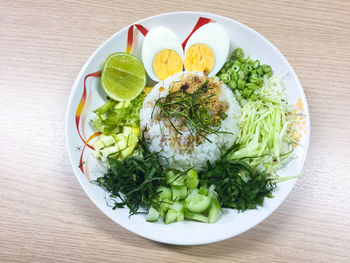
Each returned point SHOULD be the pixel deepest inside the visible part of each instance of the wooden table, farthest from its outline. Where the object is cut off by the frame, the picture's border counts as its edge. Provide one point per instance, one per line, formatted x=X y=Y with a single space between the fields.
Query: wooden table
x=44 y=214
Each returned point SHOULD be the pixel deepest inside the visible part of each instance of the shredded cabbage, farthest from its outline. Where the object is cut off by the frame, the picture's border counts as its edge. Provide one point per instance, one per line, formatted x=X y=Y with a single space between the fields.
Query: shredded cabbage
x=112 y=116
x=265 y=128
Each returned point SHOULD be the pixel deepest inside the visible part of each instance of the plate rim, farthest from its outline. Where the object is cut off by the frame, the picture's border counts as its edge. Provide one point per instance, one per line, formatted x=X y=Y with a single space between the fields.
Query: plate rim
x=212 y=240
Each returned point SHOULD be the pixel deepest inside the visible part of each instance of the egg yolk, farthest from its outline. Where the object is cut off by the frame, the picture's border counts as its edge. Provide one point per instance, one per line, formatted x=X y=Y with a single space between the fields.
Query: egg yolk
x=166 y=63
x=199 y=57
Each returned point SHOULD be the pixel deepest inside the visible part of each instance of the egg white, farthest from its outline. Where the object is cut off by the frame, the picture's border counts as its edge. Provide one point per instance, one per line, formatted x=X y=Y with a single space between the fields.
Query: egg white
x=216 y=37
x=157 y=39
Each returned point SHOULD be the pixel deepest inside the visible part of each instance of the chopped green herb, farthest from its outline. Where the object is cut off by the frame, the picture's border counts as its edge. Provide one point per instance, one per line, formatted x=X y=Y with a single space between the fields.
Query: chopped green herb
x=134 y=181
x=238 y=185
x=190 y=110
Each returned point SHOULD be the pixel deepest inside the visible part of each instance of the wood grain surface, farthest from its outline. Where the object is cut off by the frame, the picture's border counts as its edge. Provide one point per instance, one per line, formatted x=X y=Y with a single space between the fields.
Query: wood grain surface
x=44 y=214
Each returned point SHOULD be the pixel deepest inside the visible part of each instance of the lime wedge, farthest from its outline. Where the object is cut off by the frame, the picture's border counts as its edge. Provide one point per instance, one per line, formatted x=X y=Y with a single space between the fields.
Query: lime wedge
x=123 y=76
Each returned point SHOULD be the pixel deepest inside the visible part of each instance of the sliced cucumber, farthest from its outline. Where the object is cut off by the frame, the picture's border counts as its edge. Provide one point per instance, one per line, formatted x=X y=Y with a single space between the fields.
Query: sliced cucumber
x=126 y=131
x=211 y=192
x=173 y=178
x=170 y=217
x=163 y=208
x=153 y=215
x=178 y=207
x=214 y=211
x=179 y=192
x=99 y=144
x=191 y=194
x=108 y=151
x=164 y=193
x=196 y=217
x=192 y=179
x=107 y=139
x=198 y=203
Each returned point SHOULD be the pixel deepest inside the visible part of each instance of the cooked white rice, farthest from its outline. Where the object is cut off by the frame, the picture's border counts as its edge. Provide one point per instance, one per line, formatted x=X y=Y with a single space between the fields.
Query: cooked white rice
x=158 y=133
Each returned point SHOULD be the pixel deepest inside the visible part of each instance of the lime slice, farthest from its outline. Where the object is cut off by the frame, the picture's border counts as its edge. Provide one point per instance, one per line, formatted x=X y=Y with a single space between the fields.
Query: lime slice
x=123 y=76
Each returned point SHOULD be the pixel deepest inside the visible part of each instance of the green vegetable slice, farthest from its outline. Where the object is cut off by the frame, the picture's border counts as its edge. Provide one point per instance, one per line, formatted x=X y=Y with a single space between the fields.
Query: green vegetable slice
x=196 y=217
x=179 y=192
x=153 y=215
x=198 y=203
x=170 y=216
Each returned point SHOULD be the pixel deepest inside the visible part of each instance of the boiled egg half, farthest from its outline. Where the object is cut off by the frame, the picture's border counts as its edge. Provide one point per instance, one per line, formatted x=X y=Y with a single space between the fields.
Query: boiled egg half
x=207 y=49
x=162 y=53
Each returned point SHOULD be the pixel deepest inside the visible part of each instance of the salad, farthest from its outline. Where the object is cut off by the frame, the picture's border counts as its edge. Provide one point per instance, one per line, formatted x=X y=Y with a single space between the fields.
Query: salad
x=189 y=129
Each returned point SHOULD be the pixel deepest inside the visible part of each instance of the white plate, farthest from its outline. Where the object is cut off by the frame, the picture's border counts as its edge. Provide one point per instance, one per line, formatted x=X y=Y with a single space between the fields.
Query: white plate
x=231 y=223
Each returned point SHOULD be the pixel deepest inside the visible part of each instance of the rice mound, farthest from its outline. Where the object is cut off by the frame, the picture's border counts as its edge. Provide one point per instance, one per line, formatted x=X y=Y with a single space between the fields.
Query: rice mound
x=158 y=133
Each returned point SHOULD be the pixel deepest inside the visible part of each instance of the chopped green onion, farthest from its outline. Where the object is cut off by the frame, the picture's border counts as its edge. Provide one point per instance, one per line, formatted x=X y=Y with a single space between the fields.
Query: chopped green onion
x=246 y=73
x=234 y=76
x=230 y=71
x=266 y=68
x=225 y=78
x=232 y=84
x=252 y=86
x=246 y=93
x=268 y=74
x=227 y=65
x=258 y=82
x=238 y=53
x=253 y=97
x=237 y=63
x=240 y=84
x=241 y=74
x=236 y=68
x=248 y=67
x=256 y=64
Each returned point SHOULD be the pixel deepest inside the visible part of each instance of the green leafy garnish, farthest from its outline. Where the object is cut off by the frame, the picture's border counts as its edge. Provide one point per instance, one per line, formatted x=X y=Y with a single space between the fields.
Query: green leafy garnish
x=238 y=185
x=133 y=182
x=190 y=109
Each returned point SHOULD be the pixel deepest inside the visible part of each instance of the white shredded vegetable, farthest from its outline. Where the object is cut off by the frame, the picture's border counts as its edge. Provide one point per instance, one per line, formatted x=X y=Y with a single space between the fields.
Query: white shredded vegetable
x=266 y=127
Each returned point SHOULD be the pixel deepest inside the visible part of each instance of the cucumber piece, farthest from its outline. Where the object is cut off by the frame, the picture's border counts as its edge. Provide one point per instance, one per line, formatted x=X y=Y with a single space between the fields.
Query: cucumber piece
x=127 y=144
x=179 y=192
x=99 y=144
x=196 y=217
x=122 y=143
x=178 y=207
x=153 y=215
x=192 y=179
x=128 y=151
x=211 y=193
x=198 y=203
x=126 y=131
x=193 y=193
x=107 y=139
x=118 y=137
x=163 y=208
x=164 y=193
x=170 y=216
x=132 y=139
x=107 y=151
x=173 y=178
x=214 y=211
